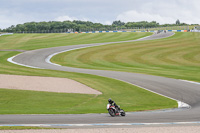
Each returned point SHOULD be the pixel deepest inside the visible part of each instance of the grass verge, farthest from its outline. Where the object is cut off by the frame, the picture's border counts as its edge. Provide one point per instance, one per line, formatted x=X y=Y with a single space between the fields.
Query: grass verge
x=38 y=41
x=175 y=57
x=22 y=128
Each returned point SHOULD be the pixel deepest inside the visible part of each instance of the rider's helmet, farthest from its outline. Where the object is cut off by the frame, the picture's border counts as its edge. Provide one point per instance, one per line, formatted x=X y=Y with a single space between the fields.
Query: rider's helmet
x=109 y=100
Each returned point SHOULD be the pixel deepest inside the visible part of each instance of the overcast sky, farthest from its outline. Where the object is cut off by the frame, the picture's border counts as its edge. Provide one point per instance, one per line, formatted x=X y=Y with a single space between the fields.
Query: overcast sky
x=14 y=12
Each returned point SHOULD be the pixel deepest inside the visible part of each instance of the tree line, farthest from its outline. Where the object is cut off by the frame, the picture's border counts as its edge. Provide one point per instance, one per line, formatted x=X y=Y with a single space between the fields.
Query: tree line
x=81 y=26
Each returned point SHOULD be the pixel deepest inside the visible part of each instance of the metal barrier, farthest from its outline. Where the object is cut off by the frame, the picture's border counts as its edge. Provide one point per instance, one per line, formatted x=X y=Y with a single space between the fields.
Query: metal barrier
x=6 y=34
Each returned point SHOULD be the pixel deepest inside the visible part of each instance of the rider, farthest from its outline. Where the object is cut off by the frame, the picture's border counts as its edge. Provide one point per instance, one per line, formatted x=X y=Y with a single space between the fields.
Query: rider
x=111 y=102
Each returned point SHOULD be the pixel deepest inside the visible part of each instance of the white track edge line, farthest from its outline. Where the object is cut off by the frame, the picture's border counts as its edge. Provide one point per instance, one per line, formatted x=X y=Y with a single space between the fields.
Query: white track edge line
x=100 y=124
x=11 y=61
x=180 y=103
x=193 y=82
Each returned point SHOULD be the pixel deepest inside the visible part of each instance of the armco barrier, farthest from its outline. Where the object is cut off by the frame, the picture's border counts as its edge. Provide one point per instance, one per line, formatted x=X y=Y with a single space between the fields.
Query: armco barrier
x=129 y=31
x=195 y=30
x=6 y=34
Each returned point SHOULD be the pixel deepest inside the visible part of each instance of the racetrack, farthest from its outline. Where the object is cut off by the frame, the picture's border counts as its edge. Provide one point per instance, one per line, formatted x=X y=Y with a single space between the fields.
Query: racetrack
x=179 y=90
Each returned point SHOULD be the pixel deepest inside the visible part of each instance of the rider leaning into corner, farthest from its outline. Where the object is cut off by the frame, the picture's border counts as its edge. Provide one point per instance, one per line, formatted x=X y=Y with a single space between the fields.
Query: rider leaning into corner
x=114 y=109
x=111 y=102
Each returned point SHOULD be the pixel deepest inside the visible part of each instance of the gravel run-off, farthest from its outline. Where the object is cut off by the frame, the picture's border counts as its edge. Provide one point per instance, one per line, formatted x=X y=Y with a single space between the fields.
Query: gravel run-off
x=49 y=84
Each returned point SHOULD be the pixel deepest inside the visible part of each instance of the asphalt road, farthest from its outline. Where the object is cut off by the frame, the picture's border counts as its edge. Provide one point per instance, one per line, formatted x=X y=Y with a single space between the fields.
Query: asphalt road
x=179 y=90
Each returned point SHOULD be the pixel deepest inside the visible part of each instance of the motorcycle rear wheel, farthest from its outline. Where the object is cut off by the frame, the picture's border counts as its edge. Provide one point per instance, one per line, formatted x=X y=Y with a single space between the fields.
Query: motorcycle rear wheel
x=122 y=112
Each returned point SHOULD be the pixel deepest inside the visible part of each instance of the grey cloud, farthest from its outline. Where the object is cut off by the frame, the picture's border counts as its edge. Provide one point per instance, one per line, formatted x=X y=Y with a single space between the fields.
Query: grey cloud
x=20 y=11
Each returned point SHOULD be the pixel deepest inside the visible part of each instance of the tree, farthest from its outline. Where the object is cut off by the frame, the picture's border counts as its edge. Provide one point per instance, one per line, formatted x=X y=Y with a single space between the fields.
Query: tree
x=77 y=25
x=118 y=23
x=31 y=26
x=20 y=28
x=178 y=22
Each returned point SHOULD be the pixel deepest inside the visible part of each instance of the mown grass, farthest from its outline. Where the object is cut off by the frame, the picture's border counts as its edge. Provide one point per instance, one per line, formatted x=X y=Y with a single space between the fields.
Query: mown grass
x=175 y=57
x=130 y=98
x=37 y=41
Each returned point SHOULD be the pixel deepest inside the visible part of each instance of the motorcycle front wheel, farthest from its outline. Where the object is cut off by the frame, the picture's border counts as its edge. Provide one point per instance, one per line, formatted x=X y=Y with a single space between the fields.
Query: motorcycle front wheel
x=111 y=112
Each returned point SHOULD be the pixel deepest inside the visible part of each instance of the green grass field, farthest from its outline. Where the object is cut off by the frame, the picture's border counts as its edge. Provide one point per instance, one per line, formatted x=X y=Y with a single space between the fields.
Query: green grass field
x=32 y=102
x=23 y=128
x=175 y=57
x=38 y=41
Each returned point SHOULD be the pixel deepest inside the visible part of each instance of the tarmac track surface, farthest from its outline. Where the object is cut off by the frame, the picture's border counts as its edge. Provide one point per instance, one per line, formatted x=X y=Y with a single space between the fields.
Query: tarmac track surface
x=179 y=90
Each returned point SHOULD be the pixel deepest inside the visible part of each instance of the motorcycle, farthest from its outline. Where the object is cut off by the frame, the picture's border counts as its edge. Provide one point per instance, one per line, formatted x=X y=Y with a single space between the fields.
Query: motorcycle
x=115 y=111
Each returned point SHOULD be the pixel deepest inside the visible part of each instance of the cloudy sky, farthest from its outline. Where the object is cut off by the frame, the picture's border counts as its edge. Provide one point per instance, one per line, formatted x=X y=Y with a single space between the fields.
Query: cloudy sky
x=14 y=12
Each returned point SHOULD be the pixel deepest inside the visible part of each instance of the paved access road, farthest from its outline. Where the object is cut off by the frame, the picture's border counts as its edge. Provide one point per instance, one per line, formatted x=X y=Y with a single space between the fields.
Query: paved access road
x=180 y=90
